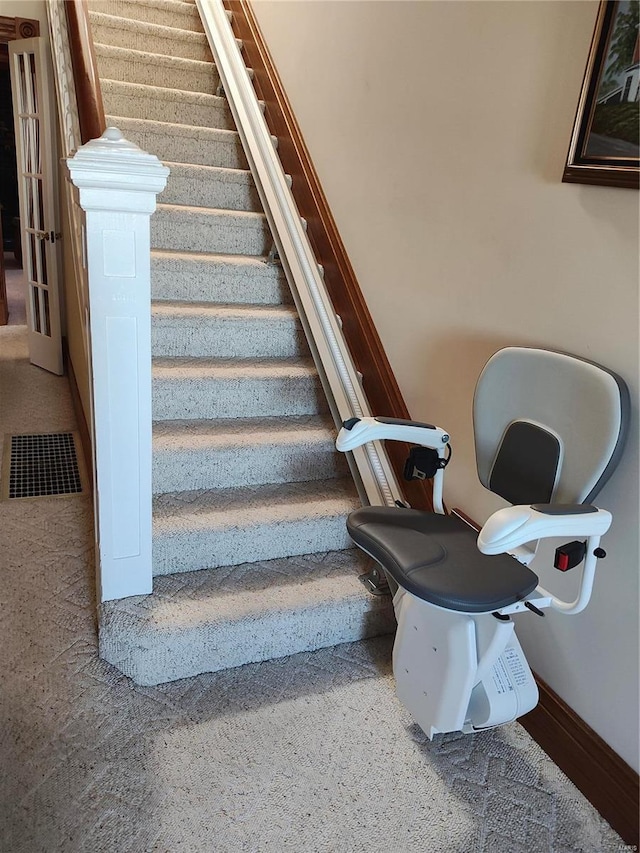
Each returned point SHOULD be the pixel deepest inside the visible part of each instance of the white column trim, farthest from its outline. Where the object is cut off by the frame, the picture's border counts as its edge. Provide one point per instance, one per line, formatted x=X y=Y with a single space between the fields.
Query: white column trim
x=117 y=184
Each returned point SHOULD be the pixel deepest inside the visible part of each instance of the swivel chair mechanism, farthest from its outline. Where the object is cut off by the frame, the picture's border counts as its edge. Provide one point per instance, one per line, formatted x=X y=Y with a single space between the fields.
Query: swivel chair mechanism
x=549 y=430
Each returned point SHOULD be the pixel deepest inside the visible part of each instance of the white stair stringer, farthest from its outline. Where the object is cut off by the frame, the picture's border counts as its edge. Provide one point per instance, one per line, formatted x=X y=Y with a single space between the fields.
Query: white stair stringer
x=251 y=556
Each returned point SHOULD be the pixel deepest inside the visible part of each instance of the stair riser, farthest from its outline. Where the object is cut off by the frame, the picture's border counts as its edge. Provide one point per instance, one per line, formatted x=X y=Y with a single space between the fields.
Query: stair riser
x=185 y=398
x=191 y=232
x=222 y=148
x=197 y=650
x=202 y=281
x=185 y=17
x=172 y=110
x=173 y=45
x=220 y=192
x=200 y=78
x=189 y=337
x=211 y=548
x=233 y=467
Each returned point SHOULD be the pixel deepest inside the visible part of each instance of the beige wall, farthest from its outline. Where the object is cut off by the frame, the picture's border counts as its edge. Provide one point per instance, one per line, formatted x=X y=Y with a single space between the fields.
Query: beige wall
x=71 y=320
x=439 y=131
x=26 y=9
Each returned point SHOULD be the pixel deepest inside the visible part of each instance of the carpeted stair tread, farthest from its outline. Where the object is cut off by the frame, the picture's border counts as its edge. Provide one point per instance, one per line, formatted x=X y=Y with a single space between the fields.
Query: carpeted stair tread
x=152 y=69
x=203 y=229
x=242 y=508
x=145 y=36
x=160 y=93
x=167 y=13
x=221 y=527
x=243 y=432
x=209 y=388
x=172 y=106
x=203 y=146
x=217 y=277
x=219 y=367
x=211 y=186
x=236 y=452
x=222 y=618
x=192 y=310
x=200 y=330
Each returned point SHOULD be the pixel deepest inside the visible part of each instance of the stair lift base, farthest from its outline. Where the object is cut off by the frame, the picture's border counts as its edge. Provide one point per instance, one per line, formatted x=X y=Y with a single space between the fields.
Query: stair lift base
x=438 y=666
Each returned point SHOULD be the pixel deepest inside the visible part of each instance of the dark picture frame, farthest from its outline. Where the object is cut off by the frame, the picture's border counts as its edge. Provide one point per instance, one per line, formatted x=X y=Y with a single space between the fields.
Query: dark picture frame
x=604 y=144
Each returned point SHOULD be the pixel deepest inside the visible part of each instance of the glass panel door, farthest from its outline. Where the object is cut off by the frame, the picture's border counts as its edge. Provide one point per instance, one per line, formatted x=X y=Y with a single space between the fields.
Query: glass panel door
x=34 y=140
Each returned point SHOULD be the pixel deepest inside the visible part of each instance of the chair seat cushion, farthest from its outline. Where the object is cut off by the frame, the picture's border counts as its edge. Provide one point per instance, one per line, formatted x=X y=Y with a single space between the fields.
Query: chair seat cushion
x=436 y=558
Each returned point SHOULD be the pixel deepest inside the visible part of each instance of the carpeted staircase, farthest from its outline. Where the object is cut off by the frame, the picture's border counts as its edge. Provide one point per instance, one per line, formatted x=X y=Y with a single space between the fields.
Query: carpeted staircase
x=251 y=555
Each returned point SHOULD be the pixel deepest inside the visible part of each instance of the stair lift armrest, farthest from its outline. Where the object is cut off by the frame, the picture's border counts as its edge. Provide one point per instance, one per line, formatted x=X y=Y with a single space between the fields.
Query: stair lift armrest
x=514 y=526
x=510 y=528
x=358 y=431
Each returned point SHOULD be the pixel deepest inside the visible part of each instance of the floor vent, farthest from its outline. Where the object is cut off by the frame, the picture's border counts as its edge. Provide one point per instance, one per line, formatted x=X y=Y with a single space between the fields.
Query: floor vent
x=41 y=466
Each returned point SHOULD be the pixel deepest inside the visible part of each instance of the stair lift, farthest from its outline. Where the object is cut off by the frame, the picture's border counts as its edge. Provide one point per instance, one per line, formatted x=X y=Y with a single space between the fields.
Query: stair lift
x=549 y=431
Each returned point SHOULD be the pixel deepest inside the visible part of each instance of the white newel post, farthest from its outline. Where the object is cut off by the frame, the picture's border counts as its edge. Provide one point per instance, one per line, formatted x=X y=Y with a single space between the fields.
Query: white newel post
x=118 y=183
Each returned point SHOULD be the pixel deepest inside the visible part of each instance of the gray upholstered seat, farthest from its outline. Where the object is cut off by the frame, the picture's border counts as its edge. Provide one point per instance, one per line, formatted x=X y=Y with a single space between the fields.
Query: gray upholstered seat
x=436 y=558
x=549 y=428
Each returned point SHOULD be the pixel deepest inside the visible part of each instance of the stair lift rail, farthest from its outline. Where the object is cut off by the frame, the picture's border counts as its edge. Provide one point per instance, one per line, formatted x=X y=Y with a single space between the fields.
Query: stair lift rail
x=373 y=474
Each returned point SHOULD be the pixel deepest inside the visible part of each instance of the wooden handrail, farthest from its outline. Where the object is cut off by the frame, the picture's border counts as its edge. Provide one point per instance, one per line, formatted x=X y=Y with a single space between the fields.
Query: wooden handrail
x=85 y=71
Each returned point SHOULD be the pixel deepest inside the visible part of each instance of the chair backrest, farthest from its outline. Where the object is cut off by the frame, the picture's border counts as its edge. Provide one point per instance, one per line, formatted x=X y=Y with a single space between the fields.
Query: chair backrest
x=549 y=427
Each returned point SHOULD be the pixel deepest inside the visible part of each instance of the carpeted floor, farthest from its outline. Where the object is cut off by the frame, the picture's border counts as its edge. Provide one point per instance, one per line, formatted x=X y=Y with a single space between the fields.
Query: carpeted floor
x=310 y=753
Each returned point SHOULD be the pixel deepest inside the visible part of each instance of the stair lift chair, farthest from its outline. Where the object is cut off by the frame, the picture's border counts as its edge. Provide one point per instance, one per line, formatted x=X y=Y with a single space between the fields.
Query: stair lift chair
x=549 y=431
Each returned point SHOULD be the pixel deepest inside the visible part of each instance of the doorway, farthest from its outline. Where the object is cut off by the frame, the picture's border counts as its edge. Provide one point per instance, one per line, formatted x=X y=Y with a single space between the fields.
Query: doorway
x=12 y=279
x=13 y=306
x=35 y=142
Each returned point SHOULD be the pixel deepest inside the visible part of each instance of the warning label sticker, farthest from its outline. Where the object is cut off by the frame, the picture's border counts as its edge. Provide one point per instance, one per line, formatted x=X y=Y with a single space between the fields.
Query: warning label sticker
x=500 y=677
x=517 y=670
x=509 y=671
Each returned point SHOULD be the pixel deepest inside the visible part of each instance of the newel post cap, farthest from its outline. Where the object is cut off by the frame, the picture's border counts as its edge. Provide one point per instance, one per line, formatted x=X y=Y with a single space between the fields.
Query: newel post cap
x=115 y=174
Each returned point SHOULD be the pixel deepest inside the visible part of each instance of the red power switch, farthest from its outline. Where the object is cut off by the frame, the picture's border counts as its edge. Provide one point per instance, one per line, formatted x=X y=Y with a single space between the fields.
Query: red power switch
x=570 y=555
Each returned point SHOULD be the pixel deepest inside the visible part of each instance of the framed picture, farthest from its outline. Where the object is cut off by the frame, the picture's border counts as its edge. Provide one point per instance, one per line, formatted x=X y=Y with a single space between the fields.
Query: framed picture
x=605 y=144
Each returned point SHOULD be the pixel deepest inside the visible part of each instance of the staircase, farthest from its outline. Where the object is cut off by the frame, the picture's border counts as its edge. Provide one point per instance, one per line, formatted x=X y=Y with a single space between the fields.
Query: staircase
x=251 y=558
